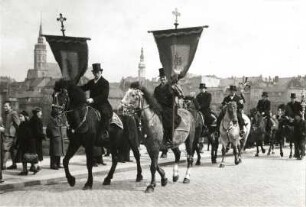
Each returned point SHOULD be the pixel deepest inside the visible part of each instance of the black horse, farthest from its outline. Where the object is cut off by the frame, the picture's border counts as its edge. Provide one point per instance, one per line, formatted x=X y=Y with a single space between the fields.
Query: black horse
x=84 y=126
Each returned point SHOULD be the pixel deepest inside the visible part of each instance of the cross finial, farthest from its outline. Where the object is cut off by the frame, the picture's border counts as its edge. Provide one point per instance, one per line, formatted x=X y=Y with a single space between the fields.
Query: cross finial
x=62 y=19
x=176 y=14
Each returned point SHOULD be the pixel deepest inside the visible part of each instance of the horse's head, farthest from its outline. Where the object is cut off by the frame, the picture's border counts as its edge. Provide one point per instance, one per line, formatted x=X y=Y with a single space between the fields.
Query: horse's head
x=231 y=110
x=60 y=96
x=133 y=99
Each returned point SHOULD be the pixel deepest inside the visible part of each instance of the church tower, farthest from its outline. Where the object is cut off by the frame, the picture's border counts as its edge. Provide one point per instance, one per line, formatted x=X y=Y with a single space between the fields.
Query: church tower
x=40 y=53
x=141 y=68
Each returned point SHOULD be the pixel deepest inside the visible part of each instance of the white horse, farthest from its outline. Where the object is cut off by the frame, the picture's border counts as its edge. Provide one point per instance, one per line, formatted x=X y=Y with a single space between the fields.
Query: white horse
x=229 y=132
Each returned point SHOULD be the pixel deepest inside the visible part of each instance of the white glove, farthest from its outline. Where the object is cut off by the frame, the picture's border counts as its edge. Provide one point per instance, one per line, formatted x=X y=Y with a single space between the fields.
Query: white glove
x=90 y=100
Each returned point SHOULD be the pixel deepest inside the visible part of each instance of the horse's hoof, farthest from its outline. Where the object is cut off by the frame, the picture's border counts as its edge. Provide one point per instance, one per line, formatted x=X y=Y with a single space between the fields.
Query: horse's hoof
x=87 y=187
x=198 y=162
x=290 y=156
x=214 y=161
x=164 y=181
x=175 y=178
x=150 y=189
x=186 y=180
x=256 y=155
x=107 y=181
x=71 y=181
x=263 y=151
x=281 y=154
x=139 y=178
x=221 y=165
x=237 y=162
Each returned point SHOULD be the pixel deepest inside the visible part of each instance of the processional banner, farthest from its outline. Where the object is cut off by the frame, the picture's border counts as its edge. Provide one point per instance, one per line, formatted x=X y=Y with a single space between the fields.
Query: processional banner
x=71 y=54
x=177 y=48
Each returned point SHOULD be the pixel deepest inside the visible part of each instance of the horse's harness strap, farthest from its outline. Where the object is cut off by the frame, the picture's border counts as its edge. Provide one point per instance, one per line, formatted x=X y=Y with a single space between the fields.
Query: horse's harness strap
x=83 y=120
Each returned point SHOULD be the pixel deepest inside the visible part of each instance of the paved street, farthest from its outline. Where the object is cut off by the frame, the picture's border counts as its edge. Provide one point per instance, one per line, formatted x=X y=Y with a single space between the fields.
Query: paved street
x=258 y=181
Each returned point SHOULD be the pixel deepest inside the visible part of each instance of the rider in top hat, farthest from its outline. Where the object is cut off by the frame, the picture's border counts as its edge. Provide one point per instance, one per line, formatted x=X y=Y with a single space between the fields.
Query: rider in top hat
x=293 y=108
x=98 y=93
x=240 y=104
x=264 y=108
x=204 y=100
x=165 y=95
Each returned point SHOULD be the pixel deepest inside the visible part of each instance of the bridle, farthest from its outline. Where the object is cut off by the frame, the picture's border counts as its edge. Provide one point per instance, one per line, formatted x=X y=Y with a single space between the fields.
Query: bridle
x=63 y=108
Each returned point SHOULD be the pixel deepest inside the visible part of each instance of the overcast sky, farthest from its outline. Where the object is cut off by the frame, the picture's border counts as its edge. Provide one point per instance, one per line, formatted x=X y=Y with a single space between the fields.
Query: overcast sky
x=245 y=37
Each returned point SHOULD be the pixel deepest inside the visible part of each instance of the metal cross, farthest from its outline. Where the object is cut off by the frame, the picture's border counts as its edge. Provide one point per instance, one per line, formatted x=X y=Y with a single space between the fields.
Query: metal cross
x=62 y=19
x=176 y=14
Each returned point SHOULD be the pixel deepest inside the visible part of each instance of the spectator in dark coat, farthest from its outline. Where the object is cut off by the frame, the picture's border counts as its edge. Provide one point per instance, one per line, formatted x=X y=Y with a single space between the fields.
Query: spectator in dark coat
x=25 y=141
x=37 y=131
x=299 y=136
x=54 y=133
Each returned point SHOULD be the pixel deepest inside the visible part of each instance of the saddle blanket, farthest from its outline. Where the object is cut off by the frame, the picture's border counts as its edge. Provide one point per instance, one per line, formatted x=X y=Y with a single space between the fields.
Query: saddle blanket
x=117 y=121
x=182 y=131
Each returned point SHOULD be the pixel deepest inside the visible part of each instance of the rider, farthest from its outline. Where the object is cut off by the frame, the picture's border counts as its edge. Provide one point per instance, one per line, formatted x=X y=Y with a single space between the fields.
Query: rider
x=293 y=107
x=165 y=94
x=264 y=108
x=204 y=100
x=98 y=93
x=240 y=102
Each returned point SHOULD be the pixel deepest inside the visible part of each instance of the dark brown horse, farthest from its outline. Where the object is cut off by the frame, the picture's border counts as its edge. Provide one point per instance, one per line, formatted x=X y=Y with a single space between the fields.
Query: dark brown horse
x=84 y=125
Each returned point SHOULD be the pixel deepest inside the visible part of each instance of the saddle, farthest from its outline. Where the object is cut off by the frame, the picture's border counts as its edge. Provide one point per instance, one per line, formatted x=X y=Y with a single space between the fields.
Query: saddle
x=116 y=121
x=182 y=131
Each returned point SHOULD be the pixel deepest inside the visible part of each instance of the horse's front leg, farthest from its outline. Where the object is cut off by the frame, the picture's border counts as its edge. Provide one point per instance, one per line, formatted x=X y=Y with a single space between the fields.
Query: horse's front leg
x=89 y=164
x=281 y=149
x=153 y=168
x=72 y=148
x=290 y=145
x=190 y=150
x=136 y=153
x=223 y=156
x=257 y=148
x=177 y=155
x=109 y=177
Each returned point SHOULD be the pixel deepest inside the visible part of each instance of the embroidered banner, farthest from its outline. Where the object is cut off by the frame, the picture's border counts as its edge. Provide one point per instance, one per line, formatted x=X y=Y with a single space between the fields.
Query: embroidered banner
x=177 y=48
x=71 y=54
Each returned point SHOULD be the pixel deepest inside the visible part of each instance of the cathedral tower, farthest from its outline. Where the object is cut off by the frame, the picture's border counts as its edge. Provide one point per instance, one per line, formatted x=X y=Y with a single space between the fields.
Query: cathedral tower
x=141 y=68
x=40 y=52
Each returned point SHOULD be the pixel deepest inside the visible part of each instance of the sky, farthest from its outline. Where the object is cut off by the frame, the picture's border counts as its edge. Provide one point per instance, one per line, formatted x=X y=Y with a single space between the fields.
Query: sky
x=244 y=38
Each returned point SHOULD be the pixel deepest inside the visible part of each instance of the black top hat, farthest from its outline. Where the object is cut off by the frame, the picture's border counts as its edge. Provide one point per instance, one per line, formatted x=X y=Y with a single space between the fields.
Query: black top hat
x=202 y=85
x=265 y=94
x=233 y=88
x=135 y=85
x=96 y=67
x=293 y=95
x=162 y=72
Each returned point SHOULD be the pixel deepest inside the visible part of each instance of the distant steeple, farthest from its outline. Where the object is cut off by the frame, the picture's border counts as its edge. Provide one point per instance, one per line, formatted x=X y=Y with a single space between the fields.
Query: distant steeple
x=141 y=67
x=40 y=52
x=40 y=37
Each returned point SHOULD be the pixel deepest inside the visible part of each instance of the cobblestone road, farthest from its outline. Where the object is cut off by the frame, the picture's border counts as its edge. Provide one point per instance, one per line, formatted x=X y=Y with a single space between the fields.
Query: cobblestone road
x=258 y=181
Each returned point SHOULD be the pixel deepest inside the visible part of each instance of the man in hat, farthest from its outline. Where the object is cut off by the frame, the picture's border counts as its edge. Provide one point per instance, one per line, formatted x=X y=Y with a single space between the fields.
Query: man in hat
x=240 y=104
x=264 y=108
x=165 y=95
x=98 y=97
x=204 y=100
x=11 y=122
x=293 y=109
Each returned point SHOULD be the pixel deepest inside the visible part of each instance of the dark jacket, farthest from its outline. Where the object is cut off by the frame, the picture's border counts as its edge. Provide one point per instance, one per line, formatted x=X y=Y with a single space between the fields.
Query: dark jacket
x=264 y=106
x=99 y=92
x=299 y=130
x=293 y=109
x=36 y=126
x=54 y=133
x=165 y=96
x=25 y=140
x=235 y=98
x=204 y=100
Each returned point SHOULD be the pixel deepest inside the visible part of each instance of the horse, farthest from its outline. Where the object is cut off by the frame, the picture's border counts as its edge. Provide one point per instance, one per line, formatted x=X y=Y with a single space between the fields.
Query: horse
x=272 y=137
x=259 y=132
x=150 y=112
x=190 y=104
x=84 y=125
x=229 y=132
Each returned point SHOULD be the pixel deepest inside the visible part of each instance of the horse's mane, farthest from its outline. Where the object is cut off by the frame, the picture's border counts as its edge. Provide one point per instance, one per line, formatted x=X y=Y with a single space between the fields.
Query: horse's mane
x=76 y=94
x=153 y=105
